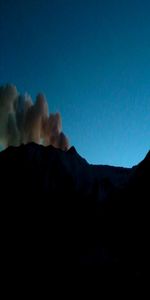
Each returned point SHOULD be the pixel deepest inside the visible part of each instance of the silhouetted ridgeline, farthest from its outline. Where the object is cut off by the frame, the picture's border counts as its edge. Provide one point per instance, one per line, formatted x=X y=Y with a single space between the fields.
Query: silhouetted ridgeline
x=70 y=221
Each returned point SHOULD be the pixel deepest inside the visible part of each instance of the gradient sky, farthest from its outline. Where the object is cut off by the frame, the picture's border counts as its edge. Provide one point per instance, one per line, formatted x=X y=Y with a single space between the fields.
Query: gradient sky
x=92 y=61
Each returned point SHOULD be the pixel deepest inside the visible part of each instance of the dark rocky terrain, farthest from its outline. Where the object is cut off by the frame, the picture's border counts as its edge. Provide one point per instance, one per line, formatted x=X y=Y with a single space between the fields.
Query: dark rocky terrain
x=68 y=222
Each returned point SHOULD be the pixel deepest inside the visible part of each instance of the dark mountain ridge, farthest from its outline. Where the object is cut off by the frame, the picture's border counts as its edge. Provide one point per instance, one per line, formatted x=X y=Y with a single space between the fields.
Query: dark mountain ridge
x=60 y=213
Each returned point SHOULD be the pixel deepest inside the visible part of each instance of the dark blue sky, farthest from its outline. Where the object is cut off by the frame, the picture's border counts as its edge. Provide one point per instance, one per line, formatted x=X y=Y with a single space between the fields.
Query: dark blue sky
x=92 y=61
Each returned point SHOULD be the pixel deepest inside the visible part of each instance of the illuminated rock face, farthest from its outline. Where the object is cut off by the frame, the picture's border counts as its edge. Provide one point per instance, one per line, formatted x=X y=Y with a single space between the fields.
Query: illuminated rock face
x=60 y=212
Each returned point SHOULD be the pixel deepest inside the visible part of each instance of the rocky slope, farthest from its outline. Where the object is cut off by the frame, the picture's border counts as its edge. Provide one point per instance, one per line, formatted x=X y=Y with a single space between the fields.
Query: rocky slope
x=63 y=216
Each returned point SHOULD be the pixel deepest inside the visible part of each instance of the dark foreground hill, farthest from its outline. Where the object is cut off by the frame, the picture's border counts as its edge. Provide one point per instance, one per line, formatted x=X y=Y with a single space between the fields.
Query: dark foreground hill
x=66 y=222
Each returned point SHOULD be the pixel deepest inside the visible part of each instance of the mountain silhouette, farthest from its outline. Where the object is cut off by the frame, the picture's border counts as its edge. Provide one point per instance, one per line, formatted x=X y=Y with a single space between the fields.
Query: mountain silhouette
x=68 y=220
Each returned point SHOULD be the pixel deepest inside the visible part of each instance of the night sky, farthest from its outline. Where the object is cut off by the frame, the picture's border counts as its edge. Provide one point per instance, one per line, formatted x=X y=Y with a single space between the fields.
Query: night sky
x=92 y=61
